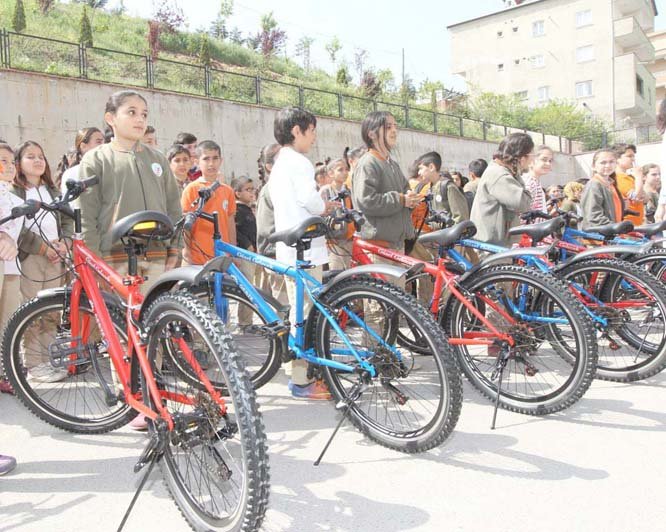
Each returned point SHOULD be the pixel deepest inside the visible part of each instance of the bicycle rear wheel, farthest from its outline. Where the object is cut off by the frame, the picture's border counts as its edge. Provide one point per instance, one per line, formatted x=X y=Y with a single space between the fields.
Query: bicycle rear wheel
x=632 y=346
x=553 y=360
x=259 y=350
x=411 y=405
x=80 y=397
x=214 y=464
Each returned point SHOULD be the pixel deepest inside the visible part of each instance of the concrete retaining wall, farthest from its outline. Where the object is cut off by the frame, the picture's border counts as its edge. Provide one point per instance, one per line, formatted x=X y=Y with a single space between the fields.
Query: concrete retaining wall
x=51 y=109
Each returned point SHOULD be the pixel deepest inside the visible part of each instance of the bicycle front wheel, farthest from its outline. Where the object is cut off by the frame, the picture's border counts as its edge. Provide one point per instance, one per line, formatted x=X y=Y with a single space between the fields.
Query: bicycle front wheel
x=632 y=343
x=215 y=464
x=552 y=360
x=81 y=396
x=413 y=403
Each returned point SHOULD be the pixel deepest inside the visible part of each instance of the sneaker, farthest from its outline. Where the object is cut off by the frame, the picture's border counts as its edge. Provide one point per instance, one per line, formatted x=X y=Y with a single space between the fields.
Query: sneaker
x=7 y=464
x=47 y=373
x=139 y=423
x=6 y=387
x=315 y=391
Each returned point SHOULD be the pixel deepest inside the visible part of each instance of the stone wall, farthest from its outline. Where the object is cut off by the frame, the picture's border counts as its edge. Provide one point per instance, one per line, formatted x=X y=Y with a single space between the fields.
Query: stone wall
x=51 y=109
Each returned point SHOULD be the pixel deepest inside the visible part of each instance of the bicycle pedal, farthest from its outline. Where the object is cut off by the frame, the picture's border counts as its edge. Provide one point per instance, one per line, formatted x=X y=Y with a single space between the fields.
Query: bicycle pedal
x=62 y=354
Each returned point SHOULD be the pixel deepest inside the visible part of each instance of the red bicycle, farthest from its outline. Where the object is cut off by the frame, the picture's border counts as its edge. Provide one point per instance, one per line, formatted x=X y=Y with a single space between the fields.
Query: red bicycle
x=507 y=324
x=88 y=361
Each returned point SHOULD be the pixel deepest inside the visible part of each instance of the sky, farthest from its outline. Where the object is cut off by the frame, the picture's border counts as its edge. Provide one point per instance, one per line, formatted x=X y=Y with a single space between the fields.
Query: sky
x=382 y=28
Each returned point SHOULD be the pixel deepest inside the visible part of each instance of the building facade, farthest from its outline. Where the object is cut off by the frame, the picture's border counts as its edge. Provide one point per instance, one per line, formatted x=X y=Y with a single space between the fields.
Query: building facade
x=593 y=52
x=658 y=68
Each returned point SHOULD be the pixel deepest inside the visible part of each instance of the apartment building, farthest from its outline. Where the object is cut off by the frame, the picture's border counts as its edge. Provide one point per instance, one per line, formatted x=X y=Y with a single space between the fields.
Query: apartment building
x=658 y=68
x=593 y=52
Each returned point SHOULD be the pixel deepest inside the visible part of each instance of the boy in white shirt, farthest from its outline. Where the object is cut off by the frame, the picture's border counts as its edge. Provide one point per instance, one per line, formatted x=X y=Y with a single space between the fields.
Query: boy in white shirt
x=295 y=198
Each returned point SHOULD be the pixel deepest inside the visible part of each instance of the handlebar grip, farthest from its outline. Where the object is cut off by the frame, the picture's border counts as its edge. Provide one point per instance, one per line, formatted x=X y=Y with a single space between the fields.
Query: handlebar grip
x=83 y=184
x=89 y=182
x=29 y=208
x=190 y=218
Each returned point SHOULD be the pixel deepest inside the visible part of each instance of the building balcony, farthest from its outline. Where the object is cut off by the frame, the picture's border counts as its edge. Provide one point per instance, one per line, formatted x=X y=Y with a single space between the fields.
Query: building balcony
x=634 y=89
x=640 y=9
x=631 y=38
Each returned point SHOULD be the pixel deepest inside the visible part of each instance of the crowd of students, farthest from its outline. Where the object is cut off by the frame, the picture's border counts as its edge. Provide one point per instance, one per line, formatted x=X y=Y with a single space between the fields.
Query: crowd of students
x=135 y=175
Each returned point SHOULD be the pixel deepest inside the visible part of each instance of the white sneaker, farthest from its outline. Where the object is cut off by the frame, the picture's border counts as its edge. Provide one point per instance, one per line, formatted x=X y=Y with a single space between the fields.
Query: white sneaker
x=47 y=373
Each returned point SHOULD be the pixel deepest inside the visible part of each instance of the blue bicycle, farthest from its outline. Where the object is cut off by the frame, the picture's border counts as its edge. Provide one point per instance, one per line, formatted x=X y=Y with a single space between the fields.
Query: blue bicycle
x=626 y=304
x=349 y=335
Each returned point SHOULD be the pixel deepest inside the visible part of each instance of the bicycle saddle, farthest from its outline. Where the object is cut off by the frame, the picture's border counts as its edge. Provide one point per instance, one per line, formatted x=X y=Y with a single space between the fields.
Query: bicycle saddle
x=611 y=230
x=307 y=230
x=651 y=229
x=145 y=225
x=449 y=236
x=540 y=230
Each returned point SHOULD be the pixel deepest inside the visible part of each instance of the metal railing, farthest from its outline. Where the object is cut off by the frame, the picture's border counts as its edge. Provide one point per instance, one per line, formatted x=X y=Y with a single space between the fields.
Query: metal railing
x=52 y=56
x=604 y=139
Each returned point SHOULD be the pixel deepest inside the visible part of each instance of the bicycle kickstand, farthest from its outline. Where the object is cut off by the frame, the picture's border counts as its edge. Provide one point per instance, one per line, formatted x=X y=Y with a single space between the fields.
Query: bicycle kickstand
x=150 y=456
x=502 y=359
x=343 y=405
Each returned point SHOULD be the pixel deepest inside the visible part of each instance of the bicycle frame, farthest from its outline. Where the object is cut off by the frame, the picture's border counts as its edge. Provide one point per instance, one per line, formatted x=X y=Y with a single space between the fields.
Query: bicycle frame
x=305 y=285
x=86 y=267
x=361 y=251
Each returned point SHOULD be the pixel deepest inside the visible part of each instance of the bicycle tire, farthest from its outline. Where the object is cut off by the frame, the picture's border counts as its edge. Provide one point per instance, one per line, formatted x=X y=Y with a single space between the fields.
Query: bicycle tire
x=411 y=287
x=441 y=414
x=82 y=392
x=224 y=464
x=525 y=388
x=260 y=352
x=653 y=261
x=640 y=358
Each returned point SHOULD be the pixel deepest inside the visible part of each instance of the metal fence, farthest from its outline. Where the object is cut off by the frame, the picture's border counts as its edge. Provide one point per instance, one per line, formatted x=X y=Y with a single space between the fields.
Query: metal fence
x=53 y=56
x=603 y=139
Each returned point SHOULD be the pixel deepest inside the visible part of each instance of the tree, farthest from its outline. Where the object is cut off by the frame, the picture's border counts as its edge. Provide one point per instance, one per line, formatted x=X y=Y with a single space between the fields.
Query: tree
x=342 y=76
x=407 y=90
x=154 y=38
x=271 y=39
x=333 y=47
x=360 y=57
x=18 y=20
x=204 y=51
x=370 y=85
x=96 y=4
x=85 y=29
x=386 y=81
x=236 y=36
x=45 y=5
x=303 y=48
x=218 y=28
x=169 y=16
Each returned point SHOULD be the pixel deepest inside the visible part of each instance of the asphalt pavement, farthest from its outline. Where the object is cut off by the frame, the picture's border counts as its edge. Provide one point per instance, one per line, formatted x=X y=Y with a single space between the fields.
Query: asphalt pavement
x=597 y=466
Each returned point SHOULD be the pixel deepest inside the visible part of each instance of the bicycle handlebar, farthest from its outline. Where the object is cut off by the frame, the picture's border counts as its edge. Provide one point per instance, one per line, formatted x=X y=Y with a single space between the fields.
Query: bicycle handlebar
x=187 y=221
x=31 y=207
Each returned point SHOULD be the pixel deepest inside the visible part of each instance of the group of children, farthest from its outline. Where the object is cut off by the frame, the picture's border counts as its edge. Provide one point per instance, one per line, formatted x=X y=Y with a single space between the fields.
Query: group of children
x=135 y=176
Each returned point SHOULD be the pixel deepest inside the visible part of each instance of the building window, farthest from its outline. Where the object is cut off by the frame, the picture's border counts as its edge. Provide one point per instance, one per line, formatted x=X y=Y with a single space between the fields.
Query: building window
x=521 y=95
x=500 y=67
x=640 y=86
x=538 y=61
x=515 y=29
x=543 y=94
x=583 y=18
x=499 y=33
x=516 y=61
x=583 y=89
x=584 y=54
x=538 y=28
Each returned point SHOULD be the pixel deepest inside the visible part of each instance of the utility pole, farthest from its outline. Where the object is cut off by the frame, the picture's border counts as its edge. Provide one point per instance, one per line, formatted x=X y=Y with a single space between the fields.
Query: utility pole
x=403 y=67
